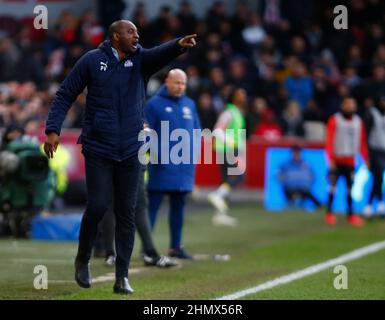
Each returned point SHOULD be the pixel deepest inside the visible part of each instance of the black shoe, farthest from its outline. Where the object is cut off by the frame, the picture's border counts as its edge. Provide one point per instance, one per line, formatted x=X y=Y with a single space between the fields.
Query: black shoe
x=159 y=261
x=179 y=253
x=82 y=274
x=122 y=286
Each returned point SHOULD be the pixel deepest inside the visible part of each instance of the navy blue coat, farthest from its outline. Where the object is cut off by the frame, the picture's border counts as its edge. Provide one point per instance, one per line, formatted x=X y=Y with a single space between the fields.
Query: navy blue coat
x=180 y=113
x=116 y=93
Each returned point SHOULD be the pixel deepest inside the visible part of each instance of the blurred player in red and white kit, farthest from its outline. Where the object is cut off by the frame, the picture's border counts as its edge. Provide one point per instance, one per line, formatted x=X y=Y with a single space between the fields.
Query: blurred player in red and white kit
x=345 y=139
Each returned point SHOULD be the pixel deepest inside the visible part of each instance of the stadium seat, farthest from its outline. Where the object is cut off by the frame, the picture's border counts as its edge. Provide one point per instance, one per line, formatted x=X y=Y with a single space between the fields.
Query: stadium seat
x=314 y=130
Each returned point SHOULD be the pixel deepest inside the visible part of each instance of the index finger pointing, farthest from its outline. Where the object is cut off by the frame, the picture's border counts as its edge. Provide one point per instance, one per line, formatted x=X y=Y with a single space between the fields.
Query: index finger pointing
x=46 y=149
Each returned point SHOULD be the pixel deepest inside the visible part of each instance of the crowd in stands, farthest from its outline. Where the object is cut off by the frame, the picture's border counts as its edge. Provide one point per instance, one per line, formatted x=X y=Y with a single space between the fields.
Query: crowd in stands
x=294 y=65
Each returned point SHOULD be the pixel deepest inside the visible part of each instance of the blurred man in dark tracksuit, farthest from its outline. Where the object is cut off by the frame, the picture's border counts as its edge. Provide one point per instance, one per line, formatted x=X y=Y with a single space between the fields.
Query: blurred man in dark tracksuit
x=115 y=74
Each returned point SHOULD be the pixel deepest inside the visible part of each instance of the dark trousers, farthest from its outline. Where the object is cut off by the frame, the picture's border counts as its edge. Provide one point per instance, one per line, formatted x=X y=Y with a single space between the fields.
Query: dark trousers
x=176 y=215
x=106 y=178
x=232 y=180
x=142 y=221
x=104 y=244
x=377 y=167
x=348 y=173
x=291 y=194
x=142 y=224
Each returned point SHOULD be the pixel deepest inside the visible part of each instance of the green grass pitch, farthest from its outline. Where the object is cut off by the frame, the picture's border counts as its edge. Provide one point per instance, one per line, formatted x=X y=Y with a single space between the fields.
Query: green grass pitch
x=263 y=247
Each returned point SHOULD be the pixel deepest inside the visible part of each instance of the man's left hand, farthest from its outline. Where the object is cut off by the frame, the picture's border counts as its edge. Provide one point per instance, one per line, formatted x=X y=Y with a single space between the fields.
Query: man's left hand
x=188 y=41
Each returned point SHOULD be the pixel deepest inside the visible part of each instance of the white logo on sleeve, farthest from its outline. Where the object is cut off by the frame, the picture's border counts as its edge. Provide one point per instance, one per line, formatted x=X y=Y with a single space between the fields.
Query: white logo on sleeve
x=168 y=109
x=103 y=66
x=128 y=63
x=186 y=113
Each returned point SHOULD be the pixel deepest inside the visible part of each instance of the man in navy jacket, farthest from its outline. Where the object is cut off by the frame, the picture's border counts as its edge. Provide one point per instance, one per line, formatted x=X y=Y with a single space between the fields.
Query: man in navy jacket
x=115 y=74
x=174 y=172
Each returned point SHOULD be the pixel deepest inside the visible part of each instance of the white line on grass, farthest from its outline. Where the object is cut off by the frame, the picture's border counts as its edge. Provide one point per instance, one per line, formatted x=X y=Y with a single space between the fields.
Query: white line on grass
x=103 y=278
x=111 y=276
x=355 y=254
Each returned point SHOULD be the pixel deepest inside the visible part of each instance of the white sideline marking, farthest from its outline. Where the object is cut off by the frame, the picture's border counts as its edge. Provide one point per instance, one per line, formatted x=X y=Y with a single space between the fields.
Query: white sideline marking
x=103 y=278
x=111 y=276
x=355 y=254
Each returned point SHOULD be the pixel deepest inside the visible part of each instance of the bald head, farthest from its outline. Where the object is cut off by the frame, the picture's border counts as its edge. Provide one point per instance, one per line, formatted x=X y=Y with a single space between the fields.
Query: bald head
x=176 y=73
x=124 y=36
x=117 y=26
x=176 y=82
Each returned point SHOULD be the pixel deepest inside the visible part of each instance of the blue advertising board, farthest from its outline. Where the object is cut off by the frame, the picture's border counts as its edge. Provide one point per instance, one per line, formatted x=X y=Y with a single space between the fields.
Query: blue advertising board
x=275 y=199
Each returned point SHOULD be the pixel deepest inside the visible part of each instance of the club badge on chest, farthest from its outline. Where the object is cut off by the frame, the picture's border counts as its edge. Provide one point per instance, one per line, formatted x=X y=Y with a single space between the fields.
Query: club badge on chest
x=128 y=64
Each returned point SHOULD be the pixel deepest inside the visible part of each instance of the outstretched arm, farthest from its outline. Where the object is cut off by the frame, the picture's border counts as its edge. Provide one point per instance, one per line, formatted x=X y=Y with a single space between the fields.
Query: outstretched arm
x=156 y=58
